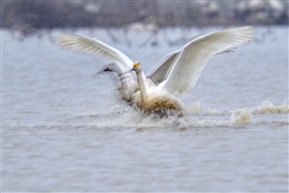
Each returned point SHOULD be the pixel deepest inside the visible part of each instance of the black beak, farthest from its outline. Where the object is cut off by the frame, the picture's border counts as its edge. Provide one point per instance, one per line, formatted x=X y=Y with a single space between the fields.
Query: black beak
x=106 y=68
x=100 y=71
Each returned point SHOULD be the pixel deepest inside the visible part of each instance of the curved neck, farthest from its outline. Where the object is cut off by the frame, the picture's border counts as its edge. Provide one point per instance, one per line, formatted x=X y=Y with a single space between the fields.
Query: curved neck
x=141 y=83
x=122 y=76
x=117 y=69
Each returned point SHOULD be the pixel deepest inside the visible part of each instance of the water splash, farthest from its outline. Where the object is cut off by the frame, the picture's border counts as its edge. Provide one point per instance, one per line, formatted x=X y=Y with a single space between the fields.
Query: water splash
x=196 y=108
x=121 y=116
x=269 y=107
x=195 y=116
x=241 y=116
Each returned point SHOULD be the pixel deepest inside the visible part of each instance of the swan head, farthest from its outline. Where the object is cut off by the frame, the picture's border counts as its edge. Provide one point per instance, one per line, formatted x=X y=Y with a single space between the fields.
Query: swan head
x=136 y=66
x=111 y=67
x=108 y=67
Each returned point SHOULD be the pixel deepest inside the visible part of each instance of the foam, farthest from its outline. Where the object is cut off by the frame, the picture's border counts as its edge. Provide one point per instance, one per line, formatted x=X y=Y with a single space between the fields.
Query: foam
x=269 y=107
x=241 y=116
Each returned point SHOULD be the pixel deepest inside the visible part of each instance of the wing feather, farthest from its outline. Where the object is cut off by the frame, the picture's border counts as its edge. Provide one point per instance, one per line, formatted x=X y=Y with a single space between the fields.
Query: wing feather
x=92 y=45
x=195 y=55
x=160 y=71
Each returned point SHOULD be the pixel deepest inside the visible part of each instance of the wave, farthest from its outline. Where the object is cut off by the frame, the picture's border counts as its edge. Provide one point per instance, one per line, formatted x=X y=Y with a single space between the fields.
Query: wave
x=266 y=107
x=125 y=117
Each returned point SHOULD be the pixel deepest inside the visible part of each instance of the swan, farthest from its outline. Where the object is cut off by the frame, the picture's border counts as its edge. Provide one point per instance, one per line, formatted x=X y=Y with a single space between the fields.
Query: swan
x=175 y=74
x=128 y=85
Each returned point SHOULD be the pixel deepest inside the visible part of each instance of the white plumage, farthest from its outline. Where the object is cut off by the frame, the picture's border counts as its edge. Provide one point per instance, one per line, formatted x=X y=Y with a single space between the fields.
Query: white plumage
x=177 y=73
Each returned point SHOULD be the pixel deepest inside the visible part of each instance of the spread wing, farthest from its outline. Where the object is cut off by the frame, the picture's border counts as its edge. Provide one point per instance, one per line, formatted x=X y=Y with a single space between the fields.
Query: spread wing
x=92 y=45
x=160 y=71
x=195 y=55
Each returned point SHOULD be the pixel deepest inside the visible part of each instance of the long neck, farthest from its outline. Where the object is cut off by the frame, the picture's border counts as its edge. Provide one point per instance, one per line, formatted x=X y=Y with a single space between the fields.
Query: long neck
x=142 y=87
x=122 y=76
x=117 y=69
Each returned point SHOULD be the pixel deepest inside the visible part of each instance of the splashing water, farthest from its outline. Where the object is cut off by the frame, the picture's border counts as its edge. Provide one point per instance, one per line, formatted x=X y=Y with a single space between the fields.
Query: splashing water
x=123 y=116
x=241 y=116
x=269 y=107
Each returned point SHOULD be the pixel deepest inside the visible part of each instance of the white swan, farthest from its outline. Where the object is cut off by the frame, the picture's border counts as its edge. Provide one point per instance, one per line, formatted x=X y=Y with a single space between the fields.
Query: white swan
x=128 y=84
x=176 y=74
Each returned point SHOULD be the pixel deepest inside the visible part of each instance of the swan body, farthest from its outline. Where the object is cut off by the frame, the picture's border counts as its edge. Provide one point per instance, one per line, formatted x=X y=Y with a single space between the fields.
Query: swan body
x=176 y=74
x=151 y=98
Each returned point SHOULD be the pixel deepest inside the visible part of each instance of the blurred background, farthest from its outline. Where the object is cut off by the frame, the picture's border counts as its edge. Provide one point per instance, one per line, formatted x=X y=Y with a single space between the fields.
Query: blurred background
x=65 y=129
x=27 y=17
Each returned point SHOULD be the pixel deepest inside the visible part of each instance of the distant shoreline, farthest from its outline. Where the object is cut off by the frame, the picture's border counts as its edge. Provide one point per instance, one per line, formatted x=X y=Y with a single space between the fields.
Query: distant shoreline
x=61 y=14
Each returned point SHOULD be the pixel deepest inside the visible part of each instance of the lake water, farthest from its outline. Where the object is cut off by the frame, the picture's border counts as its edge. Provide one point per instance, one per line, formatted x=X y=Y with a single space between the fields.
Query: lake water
x=64 y=128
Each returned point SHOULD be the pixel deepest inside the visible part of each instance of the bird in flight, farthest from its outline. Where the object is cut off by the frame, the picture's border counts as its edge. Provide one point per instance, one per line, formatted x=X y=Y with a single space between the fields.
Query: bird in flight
x=175 y=74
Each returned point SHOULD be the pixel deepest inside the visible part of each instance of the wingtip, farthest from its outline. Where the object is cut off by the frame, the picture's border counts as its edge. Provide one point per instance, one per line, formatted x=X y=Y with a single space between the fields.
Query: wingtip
x=245 y=32
x=63 y=37
x=68 y=40
x=248 y=31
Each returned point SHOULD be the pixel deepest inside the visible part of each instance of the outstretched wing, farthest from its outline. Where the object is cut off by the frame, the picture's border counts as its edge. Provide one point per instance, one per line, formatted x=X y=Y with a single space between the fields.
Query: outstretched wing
x=160 y=72
x=195 y=55
x=92 y=45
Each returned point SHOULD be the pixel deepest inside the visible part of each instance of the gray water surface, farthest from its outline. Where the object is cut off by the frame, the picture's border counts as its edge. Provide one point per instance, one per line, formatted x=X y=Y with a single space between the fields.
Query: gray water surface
x=64 y=129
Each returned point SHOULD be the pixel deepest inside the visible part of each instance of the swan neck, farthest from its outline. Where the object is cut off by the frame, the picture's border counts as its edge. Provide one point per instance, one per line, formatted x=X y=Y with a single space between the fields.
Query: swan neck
x=118 y=70
x=142 y=87
x=122 y=76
